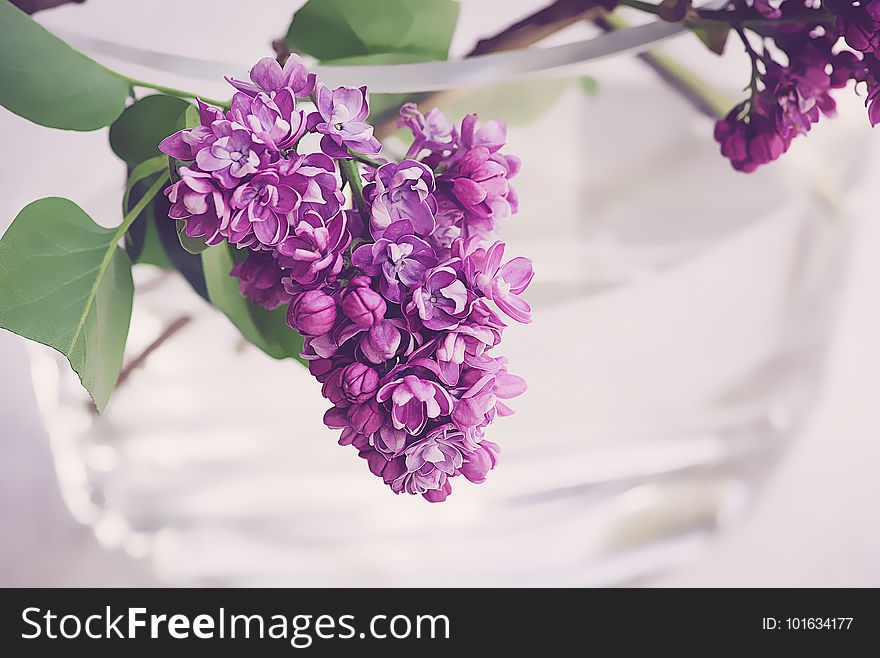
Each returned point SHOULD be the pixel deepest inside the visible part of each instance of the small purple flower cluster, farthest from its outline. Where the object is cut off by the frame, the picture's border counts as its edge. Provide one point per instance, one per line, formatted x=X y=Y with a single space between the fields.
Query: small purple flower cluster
x=788 y=98
x=400 y=297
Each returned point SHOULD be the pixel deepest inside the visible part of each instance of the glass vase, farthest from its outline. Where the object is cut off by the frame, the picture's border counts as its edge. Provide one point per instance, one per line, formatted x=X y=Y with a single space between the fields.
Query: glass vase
x=682 y=313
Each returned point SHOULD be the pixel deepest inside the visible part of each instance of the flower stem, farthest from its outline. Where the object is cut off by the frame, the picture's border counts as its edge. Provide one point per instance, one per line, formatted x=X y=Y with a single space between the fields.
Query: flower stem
x=171 y=91
x=365 y=159
x=141 y=358
x=135 y=212
x=755 y=58
x=349 y=171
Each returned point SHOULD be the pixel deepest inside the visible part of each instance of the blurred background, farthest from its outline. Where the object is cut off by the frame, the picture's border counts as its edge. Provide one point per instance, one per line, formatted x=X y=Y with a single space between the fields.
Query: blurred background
x=712 y=420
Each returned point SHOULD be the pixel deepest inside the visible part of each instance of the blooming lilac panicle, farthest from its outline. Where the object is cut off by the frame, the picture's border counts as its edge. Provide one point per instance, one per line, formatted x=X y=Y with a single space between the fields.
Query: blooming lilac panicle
x=799 y=61
x=398 y=297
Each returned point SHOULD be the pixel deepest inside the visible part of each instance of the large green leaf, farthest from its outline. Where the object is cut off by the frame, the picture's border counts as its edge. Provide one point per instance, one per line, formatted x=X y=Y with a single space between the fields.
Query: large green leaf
x=712 y=33
x=46 y=81
x=189 y=265
x=331 y=29
x=65 y=283
x=136 y=134
x=142 y=241
x=267 y=330
x=144 y=244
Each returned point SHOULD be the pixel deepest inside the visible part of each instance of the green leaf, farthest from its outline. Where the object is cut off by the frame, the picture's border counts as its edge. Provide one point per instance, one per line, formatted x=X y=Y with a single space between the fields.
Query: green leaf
x=151 y=251
x=589 y=85
x=142 y=241
x=136 y=134
x=46 y=81
x=190 y=245
x=66 y=284
x=331 y=29
x=190 y=118
x=189 y=265
x=712 y=33
x=146 y=169
x=267 y=330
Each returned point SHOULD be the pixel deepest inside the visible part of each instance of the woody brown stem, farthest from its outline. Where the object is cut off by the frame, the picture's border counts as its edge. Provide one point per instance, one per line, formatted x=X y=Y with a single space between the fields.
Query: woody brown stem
x=141 y=358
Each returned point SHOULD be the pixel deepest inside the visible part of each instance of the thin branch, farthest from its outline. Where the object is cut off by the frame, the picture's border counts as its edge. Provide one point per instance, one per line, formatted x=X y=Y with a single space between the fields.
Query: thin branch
x=363 y=159
x=532 y=29
x=141 y=358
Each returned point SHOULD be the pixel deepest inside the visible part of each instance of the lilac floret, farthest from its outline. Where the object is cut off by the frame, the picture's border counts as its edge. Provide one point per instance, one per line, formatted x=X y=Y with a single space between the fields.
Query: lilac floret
x=341 y=117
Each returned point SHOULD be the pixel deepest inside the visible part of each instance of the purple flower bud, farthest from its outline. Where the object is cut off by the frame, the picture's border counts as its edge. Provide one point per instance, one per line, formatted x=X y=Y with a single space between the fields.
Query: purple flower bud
x=359 y=382
x=368 y=417
x=381 y=342
x=336 y=418
x=260 y=280
x=438 y=495
x=312 y=313
x=389 y=440
x=363 y=305
x=478 y=463
x=332 y=388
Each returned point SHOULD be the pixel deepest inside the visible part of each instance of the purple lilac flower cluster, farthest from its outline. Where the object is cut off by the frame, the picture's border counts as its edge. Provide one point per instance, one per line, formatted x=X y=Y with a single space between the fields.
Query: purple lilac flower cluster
x=400 y=297
x=805 y=49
